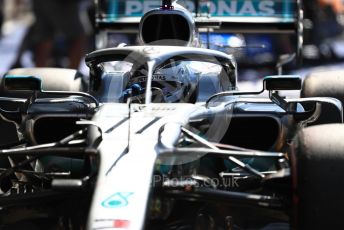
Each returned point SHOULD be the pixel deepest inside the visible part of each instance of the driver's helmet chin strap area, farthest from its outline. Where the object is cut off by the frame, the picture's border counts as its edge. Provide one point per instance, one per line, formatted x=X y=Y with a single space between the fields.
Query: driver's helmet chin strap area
x=133 y=91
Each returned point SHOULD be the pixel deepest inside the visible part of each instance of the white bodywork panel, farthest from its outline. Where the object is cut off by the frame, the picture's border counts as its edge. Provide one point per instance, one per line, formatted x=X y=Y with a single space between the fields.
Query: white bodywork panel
x=125 y=174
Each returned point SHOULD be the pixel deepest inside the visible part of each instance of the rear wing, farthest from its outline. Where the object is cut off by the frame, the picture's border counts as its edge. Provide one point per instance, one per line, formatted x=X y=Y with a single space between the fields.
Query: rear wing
x=256 y=16
x=223 y=16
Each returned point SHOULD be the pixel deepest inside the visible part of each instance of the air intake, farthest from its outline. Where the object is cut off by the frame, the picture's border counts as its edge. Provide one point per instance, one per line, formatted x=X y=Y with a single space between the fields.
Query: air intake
x=167 y=27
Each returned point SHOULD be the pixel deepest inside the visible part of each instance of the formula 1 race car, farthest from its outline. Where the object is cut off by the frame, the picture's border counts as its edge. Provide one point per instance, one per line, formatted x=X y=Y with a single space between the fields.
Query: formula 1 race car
x=160 y=137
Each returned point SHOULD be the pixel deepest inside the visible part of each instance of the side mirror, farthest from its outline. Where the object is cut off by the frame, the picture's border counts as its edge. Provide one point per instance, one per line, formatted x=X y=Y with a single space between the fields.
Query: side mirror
x=23 y=83
x=284 y=82
x=273 y=84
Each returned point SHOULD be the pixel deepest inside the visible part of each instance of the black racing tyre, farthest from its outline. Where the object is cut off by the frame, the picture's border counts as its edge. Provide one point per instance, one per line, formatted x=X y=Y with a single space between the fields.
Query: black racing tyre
x=317 y=161
x=325 y=84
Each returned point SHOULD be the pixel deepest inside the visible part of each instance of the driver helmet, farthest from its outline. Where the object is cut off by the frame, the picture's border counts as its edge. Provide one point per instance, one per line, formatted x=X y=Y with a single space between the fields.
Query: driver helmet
x=171 y=83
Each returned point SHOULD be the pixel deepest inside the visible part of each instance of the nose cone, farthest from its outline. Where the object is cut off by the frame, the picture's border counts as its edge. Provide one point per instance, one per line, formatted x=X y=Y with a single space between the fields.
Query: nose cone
x=167 y=27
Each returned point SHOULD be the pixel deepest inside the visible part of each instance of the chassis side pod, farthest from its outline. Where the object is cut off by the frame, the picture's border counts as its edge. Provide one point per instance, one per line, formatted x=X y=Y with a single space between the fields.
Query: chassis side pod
x=317 y=170
x=53 y=79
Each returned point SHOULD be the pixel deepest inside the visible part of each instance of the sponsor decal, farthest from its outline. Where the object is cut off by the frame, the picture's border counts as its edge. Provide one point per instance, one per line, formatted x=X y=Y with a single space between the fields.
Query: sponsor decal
x=222 y=8
x=111 y=224
x=144 y=79
x=121 y=223
x=117 y=200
